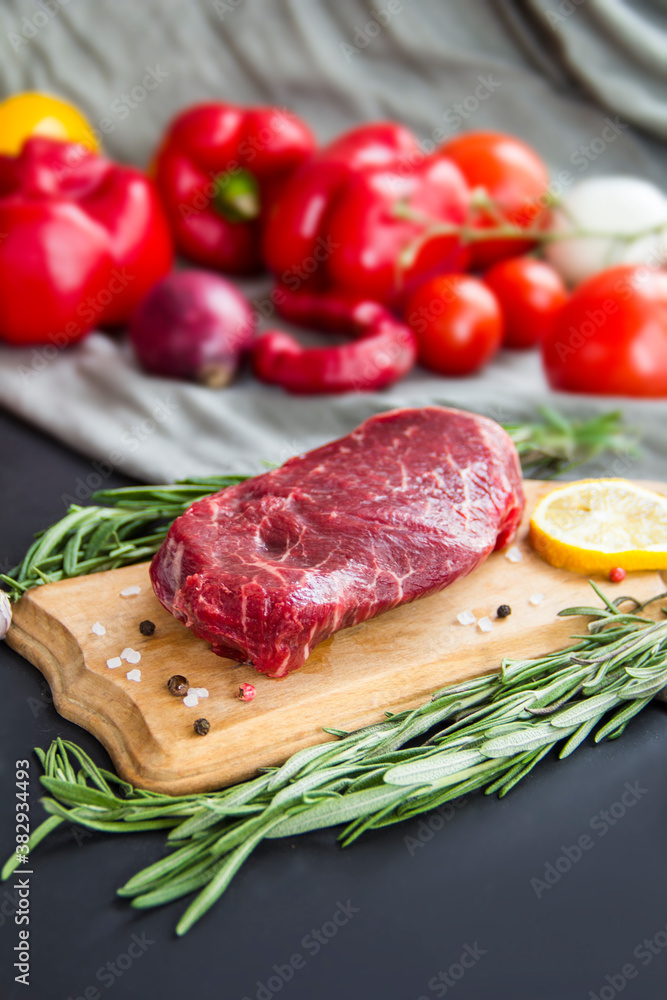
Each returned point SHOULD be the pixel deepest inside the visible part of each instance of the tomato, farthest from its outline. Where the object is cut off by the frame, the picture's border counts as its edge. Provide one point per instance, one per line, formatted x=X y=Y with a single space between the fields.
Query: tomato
x=513 y=177
x=530 y=294
x=458 y=324
x=610 y=338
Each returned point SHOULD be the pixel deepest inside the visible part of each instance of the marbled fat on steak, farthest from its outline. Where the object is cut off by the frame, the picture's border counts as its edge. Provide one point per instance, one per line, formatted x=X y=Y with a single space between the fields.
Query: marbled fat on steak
x=400 y=508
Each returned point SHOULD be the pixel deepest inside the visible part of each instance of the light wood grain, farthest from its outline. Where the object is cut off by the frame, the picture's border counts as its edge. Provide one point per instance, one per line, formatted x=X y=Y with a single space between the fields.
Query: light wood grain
x=393 y=662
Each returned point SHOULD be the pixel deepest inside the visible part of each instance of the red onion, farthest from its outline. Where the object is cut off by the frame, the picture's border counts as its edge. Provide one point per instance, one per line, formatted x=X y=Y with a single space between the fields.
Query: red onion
x=193 y=325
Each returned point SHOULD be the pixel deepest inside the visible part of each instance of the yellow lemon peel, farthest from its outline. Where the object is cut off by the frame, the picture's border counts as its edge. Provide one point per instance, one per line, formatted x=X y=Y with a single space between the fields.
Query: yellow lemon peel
x=594 y=525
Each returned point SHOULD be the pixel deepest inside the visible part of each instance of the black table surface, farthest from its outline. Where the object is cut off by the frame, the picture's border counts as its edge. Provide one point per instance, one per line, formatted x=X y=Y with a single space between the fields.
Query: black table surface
x=557 y=892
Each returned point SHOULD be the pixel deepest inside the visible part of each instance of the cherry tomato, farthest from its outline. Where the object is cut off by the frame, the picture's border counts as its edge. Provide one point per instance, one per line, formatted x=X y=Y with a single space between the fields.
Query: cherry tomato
x=530 y=294
x=513 y=177
x=610 y=338
x=458 y=324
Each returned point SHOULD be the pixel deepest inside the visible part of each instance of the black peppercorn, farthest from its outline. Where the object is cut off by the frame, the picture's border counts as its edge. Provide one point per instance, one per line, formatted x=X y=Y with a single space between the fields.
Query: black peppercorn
x=178 y=685
x=504 y=610
x=202 y=726
x=147 y=627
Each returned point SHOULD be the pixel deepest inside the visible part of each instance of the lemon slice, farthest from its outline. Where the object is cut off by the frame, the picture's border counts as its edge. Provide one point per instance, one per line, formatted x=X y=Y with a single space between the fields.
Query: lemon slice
x=595 y=525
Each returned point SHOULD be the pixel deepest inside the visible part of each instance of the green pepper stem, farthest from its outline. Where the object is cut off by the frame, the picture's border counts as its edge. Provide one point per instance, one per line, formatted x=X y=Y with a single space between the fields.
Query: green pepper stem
x=236 y=196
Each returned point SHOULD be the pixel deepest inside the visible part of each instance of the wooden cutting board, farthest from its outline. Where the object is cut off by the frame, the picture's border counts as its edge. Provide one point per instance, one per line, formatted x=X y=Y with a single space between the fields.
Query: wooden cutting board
x=393 y=662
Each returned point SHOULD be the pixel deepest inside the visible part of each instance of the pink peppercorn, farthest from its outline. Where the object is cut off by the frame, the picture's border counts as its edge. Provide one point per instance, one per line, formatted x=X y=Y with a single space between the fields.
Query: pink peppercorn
x=246 y=692
x=617 y=574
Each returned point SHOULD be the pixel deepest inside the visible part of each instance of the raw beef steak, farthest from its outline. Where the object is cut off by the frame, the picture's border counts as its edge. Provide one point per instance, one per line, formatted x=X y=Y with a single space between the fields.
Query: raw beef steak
x=404 y=505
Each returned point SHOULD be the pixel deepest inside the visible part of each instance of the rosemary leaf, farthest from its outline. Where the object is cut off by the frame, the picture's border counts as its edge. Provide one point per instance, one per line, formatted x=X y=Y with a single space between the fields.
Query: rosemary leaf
x=577 y=738
x=526 y=737
x=75 y=794
x=296 y=762
x=571 y=718
x=13 y=861
x=621 y=718
x=104 y=826
x=154 y=874
x=88 y=766
x=433 y=768
x=204 y=818
x=517 y=775
x=237 y=834
x=219 y=882
x=188 y=882
x=342 y=810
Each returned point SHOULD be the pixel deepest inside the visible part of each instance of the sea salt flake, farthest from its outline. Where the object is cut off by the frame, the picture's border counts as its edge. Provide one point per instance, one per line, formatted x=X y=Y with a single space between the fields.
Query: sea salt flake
x=198 y=692
x=131 y=655
x=191 y=700
x=536 y=599
x=485 y=624
x=98 y=629
x=114 y=662
x=133 y=675
x=466 y=618
x=514 y=554
x=130 y=591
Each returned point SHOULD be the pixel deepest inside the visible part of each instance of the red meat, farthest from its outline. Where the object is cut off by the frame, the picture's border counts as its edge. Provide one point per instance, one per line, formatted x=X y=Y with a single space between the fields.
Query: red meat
x=407 y=503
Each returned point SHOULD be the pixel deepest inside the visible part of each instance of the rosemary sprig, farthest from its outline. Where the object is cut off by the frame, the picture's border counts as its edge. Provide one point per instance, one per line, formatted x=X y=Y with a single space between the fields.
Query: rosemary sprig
x=484 y=734
x=128 y=525
x=555 y=445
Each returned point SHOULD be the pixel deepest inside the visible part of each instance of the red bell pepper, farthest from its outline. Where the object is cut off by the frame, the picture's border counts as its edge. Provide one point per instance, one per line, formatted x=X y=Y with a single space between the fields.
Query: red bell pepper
x=349 y=220
x=83 y=240
x=219 y=169
x=384 y=351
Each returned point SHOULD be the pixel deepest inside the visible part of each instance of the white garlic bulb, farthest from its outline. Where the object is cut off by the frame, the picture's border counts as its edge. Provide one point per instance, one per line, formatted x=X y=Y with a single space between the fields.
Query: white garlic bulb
x=629 y=216
x=5 y=614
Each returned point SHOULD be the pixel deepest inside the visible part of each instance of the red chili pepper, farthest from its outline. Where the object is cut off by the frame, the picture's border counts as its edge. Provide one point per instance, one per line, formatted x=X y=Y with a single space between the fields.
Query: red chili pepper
x=342 y=222
x=84 y=240
x=384 y=351
x=219 y=170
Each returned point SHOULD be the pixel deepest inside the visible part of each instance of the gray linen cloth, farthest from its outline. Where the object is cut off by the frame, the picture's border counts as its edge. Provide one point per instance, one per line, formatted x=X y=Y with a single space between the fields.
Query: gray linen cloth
x=552 y=71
